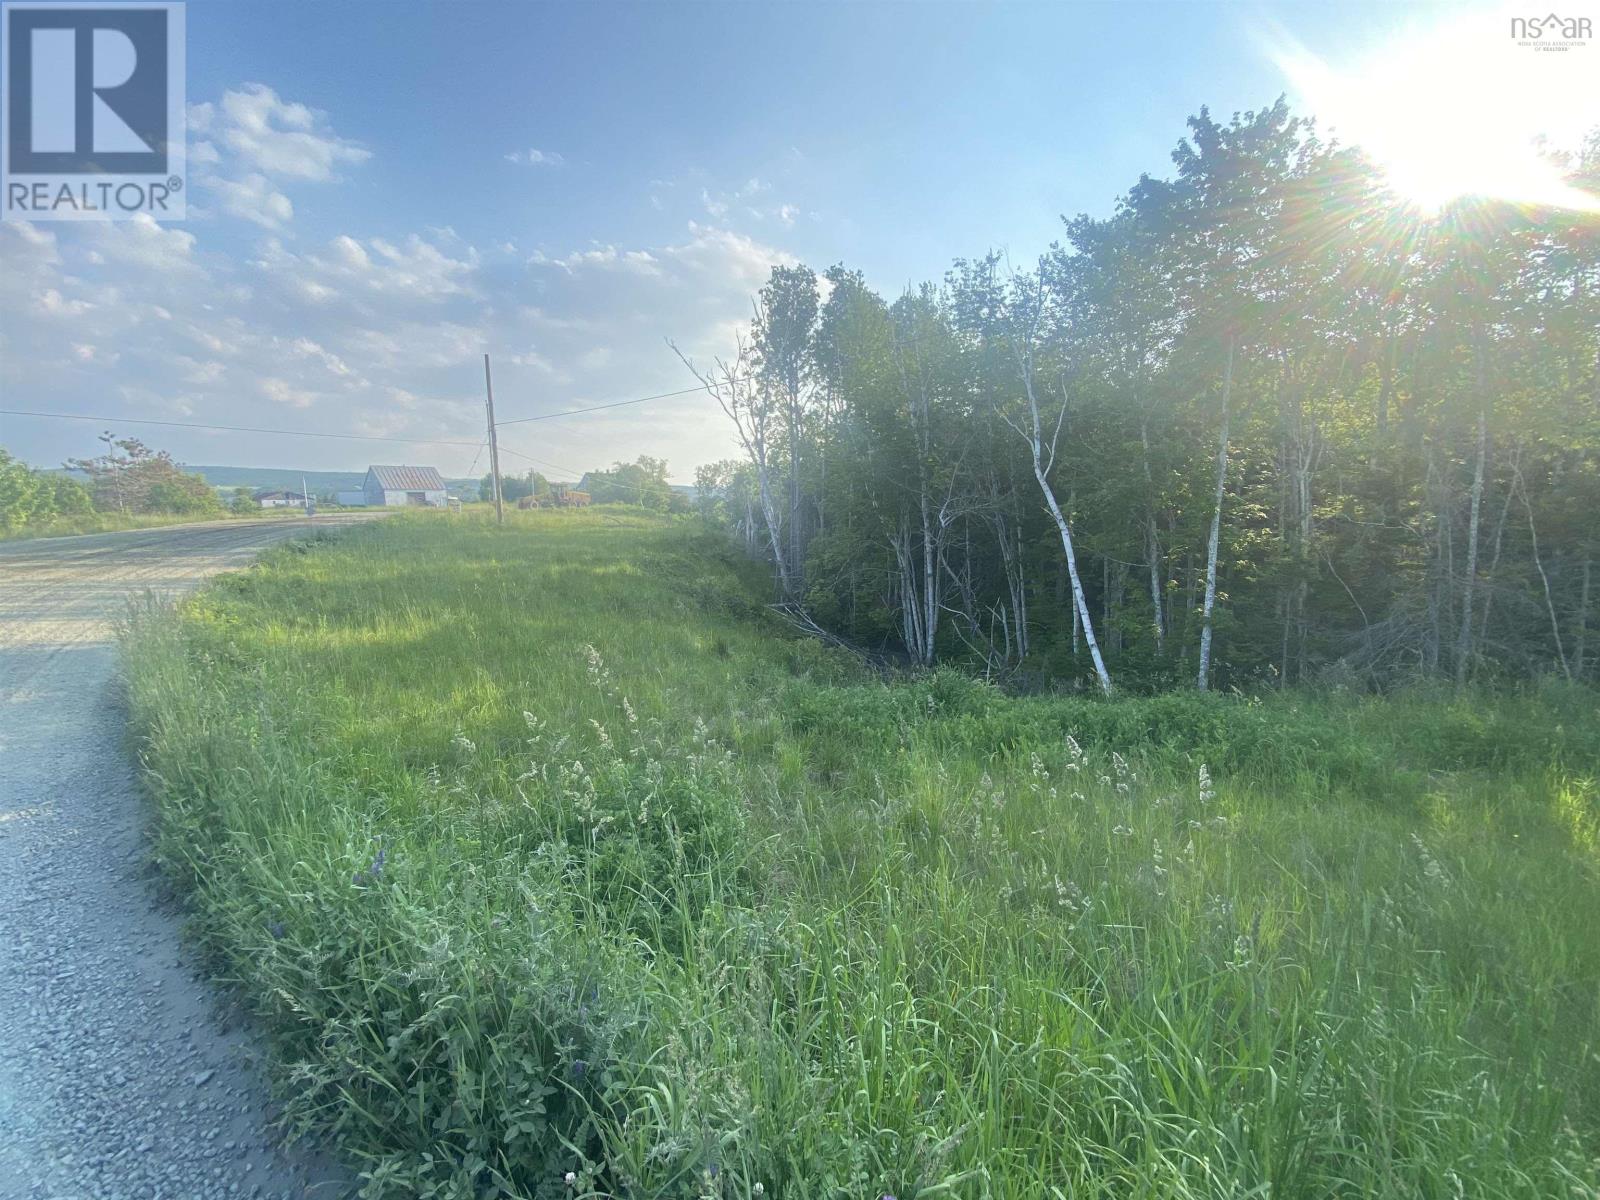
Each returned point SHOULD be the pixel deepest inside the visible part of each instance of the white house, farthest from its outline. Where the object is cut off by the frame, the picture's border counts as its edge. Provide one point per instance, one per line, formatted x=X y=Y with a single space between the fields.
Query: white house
x=419 y=487
x=280 y=499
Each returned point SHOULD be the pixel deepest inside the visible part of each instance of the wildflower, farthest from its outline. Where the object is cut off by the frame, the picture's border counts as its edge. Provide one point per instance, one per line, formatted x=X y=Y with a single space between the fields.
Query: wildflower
x=1121 y=831
x=463 y=743
x=758 y=1189
x=277 y=930
x=1431 y=866
x=597 y=674
x=579 y=1068
x=572 y=1178
x=1207 y=791
x=1241 y=953
x=1070 y=897
x=627 y=709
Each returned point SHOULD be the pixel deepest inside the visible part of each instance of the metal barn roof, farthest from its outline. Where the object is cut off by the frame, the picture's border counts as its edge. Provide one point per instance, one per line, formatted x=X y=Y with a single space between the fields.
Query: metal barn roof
x=408 y=479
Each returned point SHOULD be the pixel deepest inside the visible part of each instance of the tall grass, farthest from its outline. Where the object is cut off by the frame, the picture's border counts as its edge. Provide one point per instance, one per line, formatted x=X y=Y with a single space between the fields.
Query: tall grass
x=554 y=869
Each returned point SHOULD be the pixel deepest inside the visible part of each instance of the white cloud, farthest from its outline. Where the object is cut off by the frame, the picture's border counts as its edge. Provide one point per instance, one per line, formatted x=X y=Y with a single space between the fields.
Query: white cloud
x=717 y=208
x=279 y=137
x=747 y=199
x=535 y=158
x=280 y=391
x=253 y=199
x=252 y=142
x=640 y=262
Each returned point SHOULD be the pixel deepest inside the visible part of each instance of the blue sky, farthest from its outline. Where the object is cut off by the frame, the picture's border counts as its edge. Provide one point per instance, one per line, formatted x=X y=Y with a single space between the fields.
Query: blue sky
x=382 y=191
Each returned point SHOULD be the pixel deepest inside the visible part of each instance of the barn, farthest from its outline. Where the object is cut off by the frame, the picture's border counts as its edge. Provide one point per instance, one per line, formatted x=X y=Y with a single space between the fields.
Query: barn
x=401 y=487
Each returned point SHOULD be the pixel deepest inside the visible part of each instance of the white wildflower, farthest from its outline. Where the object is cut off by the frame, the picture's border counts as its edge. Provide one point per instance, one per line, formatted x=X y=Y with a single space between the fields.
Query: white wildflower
x=1431 y=867
x=1242 y=953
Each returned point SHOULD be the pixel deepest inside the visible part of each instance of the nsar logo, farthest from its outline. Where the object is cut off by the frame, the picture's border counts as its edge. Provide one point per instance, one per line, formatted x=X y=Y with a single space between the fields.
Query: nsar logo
x=93 y=121
x=1552 y=31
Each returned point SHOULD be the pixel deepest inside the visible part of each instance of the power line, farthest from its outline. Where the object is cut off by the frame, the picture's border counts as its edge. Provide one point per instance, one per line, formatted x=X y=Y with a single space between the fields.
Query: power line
x=573 y=412
x=355 y=437
x=542 y=463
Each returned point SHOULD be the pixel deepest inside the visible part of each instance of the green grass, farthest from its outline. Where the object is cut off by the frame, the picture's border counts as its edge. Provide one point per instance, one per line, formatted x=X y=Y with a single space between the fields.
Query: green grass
x=74 y=524
x=542 y=850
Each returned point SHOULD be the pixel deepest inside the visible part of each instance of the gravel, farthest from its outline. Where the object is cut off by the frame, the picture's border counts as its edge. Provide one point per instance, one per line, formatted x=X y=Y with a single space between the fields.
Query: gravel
x=122 y=1075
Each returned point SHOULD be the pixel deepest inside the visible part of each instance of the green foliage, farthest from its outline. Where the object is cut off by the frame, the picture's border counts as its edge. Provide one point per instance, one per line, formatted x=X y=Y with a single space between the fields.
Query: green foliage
x=642 y=482
x=514 y=487
x=186 y=495
x=577 y=863
x=1412 y=443
x=29 y=497
x=132 y=478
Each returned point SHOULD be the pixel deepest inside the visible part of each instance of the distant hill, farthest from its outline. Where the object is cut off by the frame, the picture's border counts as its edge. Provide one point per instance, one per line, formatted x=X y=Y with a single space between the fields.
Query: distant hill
x=279 y=478
x=319 y=483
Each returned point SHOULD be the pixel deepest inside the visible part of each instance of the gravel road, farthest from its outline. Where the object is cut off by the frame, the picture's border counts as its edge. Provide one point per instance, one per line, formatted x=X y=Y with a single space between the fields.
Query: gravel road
x=121 y=1074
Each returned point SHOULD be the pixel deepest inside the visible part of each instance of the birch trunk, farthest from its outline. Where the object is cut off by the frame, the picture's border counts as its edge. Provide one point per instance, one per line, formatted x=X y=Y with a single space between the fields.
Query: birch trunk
x=1474 y=519
x=1208 y=605
x=1152 y=539
x=1023 y=348
x=1080 y=605
x=1549 y=600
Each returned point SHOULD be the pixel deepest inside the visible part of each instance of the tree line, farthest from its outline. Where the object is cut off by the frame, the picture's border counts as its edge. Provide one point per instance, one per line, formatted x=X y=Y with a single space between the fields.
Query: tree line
x=642 y=482
x=1265 y=424
x=130 y=477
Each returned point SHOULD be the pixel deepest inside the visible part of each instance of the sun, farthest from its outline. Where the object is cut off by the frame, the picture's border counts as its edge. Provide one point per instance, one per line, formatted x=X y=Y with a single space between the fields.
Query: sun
x=1457 y=109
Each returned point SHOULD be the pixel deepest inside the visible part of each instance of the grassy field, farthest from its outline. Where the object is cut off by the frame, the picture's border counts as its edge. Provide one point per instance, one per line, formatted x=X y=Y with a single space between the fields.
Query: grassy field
x=543 y=851
x=73 y=524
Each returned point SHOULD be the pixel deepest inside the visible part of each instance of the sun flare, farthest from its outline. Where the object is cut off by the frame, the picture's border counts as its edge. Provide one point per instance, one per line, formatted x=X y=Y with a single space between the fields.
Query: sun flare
x=1458 y=109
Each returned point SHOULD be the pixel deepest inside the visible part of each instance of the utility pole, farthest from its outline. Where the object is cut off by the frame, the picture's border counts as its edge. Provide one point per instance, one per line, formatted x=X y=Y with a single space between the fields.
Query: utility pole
x=494 y=445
